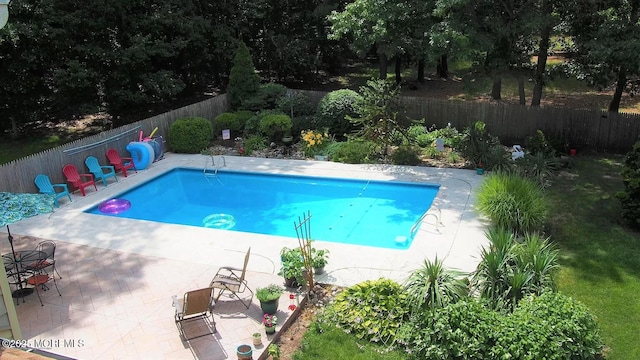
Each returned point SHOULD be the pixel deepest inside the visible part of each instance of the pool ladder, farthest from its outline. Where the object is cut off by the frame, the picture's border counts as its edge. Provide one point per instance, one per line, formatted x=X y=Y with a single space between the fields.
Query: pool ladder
x=426 y=214
x=213 y=164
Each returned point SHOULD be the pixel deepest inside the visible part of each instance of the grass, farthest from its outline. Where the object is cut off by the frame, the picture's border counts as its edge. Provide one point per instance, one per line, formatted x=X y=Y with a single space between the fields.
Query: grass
x=600 y=259
x=336 y=345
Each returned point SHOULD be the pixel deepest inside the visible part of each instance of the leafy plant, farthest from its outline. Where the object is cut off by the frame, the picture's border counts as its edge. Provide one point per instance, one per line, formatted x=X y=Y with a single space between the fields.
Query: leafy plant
x=630 y=197
x=333 y=109
x=354 y=152
x=269 y=293
x=190 y=135
x=377 y=110
x=433 y=286
x=253 y=143
x=372 y=310
x=319 y=257
x=229 y=121
x=275 y=126
x=476 y=144
x=295 y=104
x=406 y=155
x=512 y=202
x=292 y=264
x=274 y=351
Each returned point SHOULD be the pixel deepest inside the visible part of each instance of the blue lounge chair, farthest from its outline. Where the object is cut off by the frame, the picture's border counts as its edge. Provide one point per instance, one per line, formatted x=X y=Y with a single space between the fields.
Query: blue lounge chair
x=100 y=172
x=46 y=187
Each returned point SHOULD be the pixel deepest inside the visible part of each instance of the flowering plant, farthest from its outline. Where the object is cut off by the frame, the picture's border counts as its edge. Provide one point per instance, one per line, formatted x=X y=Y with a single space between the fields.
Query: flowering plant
x=269 y=320
x=314 y=142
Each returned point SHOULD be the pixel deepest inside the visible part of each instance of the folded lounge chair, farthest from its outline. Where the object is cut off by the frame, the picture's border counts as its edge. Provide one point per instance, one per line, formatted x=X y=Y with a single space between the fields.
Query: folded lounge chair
x=232 y=279
x=195 y=305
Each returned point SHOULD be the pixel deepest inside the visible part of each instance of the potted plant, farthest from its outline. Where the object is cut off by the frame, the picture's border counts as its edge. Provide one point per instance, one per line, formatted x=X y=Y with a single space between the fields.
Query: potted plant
x=269 y=321
x=292 y=266
x=269 y=297
x=257 y=339
x=319 y=260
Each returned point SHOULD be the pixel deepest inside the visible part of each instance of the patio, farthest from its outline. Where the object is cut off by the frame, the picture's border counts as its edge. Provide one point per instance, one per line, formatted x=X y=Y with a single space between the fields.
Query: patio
x=117 y=285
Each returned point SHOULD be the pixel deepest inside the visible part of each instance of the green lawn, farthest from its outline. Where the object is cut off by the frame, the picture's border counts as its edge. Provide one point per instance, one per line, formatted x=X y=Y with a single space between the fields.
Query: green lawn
x=600 y=259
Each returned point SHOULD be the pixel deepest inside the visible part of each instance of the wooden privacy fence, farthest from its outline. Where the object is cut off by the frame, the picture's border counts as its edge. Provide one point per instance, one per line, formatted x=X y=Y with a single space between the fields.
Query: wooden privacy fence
x=512 y=124
x=593 y=129
x=18 y=176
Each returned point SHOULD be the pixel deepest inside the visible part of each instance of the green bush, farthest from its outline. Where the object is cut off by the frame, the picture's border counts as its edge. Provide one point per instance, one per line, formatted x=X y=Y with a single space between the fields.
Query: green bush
x=333 y=109
x=538 y=143
x=275 y=126
x=476 y=144
x=371 y=310
x=254 y=143
x=630 y=196
x=190 y=135
x=244 y=82
x=512 y=202
x=353 y=152
x=464 y=330
x=550 y=326
x=434 y=286
x=406 y=155
x=265 y=98
x=296 y=104
x=227 y=121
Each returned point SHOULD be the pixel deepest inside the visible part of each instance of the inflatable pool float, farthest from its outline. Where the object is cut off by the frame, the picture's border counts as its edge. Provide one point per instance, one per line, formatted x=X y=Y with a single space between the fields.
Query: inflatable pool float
x=142 y=154
x=114 y=206
x=219 y=221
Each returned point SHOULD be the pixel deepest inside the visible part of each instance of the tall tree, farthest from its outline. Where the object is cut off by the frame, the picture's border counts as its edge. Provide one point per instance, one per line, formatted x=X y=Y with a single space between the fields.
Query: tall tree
x=607 y=41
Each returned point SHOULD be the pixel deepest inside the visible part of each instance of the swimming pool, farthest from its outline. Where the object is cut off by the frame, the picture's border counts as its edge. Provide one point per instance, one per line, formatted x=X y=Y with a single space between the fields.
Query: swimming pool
x=361 y=212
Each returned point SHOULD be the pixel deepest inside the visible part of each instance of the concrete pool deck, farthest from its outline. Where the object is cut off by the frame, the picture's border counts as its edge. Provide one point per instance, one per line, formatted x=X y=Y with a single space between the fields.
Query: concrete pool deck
x=118 y=275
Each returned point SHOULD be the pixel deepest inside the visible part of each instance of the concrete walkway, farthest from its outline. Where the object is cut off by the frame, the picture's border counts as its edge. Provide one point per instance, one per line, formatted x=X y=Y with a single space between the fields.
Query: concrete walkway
x=118 y=275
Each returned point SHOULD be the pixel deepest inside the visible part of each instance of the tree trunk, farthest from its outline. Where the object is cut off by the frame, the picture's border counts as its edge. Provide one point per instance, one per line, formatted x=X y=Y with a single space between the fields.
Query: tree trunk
x=421 y=71
x=496 y=88
x=614 y=105
x=398 y=69
x=14 y=127
x=382 y=63
x=523 y=100
x=443 y=67
x=543 y=52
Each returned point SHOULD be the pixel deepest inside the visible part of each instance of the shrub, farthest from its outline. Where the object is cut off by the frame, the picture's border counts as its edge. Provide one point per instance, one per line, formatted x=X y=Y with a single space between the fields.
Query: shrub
x=630 y=196
x=406 y=155
x=275 y=126
x=244 y=82
x=538 y=143
x=550 y=326
x=512 y=202
x=266 y=97
x=476 y=144
x=190 y=135
x=295 y=104
x=333 y=109
x=254 y=143
x=372 y=310
x=227 y=121
x=464 y=330
x=252 y=125
x=434 y=286
x=353 y=152
x=510 y=269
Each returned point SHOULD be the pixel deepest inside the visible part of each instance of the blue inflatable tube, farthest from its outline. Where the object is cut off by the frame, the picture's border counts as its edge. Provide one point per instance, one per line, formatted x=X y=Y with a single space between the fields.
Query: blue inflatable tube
x=141 y=153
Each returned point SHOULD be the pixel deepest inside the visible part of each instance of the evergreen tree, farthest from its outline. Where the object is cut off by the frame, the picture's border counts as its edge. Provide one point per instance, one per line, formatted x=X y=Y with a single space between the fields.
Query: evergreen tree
x=244 y=83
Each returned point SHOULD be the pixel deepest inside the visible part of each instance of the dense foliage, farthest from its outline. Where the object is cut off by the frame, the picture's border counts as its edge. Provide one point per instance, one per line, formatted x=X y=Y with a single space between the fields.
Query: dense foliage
x=630 y=197
x=244 y=83
x=190 y=135
x=333 y=111
x=513 y=202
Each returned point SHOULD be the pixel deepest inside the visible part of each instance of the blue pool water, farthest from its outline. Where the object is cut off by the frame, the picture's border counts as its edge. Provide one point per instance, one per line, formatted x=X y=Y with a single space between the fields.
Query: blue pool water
x=361 y=212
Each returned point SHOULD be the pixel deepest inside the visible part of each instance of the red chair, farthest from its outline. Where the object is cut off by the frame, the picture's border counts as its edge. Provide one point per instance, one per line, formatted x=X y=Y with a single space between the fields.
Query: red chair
x=118 y=163
x=78 y=181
